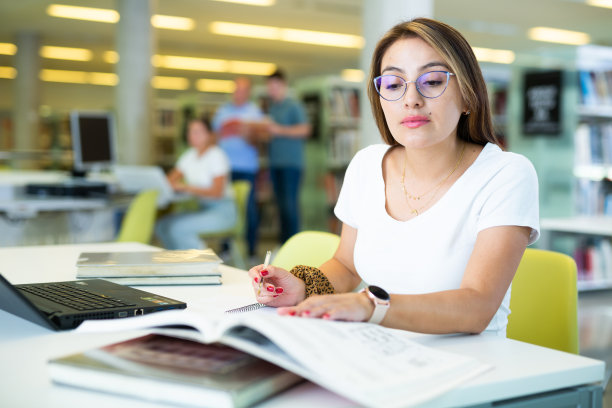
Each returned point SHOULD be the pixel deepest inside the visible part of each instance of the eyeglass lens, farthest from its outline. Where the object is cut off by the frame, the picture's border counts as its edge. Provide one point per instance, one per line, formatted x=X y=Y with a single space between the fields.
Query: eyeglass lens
x=430 y=85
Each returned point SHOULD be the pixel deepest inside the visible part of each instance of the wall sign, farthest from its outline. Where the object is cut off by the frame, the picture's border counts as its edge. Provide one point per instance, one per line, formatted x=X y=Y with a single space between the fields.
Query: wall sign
x=542 y=103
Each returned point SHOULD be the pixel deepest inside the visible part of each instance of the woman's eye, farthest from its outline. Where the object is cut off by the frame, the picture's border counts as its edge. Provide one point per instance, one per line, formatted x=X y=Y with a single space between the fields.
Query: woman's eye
x=393 y=87
x=432 y=84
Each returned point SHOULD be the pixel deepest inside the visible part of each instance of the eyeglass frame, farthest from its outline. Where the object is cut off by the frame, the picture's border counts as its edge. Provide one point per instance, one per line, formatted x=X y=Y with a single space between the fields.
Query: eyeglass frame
x=448 y=75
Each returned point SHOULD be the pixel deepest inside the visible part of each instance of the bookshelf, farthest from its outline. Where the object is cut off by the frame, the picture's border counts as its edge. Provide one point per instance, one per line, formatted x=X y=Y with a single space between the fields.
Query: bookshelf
x=166 y=132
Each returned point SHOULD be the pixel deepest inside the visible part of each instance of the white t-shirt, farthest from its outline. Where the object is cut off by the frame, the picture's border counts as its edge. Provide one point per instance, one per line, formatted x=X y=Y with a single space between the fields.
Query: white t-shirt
x=429 y=253
x=201 y=170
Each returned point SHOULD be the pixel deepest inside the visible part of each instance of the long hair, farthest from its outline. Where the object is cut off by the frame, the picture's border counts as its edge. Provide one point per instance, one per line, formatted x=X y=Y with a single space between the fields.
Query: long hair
x=477 y=127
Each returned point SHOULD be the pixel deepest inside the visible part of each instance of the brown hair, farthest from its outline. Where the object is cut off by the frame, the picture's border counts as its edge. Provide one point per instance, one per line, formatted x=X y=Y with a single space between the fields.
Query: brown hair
x=476 y=127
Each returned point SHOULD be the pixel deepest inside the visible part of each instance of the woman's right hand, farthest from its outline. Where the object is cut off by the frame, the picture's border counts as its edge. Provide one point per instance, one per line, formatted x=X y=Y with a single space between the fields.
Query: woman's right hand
x=280 y=288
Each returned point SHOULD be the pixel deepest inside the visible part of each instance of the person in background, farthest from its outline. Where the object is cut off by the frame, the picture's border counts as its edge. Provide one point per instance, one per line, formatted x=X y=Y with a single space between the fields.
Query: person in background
x=439 y=216
x=232 y=122
x=288 y=129
x=203 y=171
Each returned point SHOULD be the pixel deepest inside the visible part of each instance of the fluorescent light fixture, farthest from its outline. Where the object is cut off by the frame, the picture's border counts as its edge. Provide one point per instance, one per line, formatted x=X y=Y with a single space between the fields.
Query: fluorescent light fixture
x=215 y=85
x=189 y=63
x=172 y=22
x=263 y=3
x=493 y=55
x=166 y=82
x=591 y=172
x=78 y=77
x=353 y=75
x=557 y=35
x=83 y=13
x=112 y=57
x=65 y=53
x=251 y=67
x=287 y=34
x=8 y=72
x=8 y=49
x=600 y=3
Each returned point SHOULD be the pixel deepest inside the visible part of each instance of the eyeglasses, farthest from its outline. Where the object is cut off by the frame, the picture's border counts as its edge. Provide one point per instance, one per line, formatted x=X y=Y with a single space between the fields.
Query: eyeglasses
x=431 y=85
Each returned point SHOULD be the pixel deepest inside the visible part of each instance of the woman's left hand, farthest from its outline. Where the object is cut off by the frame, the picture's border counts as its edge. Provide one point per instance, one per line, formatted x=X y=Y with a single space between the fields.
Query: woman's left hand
x=354 y=307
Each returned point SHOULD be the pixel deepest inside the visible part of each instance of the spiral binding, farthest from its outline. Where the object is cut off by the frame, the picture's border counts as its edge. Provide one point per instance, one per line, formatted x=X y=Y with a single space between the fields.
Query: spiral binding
x=247 y=308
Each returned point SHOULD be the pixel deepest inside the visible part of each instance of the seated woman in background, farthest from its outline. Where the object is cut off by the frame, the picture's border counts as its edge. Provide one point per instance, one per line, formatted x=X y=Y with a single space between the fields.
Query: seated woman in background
x=203 y=171
x=439 y=215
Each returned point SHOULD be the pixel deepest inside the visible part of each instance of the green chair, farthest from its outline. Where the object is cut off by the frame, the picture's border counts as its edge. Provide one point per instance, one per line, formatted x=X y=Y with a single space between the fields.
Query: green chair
x=311 y=248
x=543 y=301
x=236 y=234
x=139 y=219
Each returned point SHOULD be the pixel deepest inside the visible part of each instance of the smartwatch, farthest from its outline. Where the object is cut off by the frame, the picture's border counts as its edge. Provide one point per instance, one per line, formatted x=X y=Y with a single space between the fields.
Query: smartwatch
x=381 y=300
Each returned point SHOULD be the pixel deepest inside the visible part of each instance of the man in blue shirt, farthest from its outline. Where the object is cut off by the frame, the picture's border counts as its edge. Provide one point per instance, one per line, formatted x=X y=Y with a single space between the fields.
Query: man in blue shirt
x=232 y=123
x=288 y=129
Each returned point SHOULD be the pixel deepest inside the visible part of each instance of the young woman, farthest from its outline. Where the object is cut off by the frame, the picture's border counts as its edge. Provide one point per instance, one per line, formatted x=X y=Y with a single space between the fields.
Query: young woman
x=439 y=216
x=202 y=171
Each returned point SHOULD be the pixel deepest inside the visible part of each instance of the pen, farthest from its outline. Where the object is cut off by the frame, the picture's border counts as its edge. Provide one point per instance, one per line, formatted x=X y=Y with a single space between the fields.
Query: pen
x=265 y=265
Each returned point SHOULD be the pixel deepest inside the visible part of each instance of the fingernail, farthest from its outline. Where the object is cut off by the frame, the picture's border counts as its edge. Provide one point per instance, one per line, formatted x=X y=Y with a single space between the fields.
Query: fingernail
x=325 y=316
x=264 y=273
x=275 y=296
x=279 y=290
x=270 y=289
x=256 y=279
x=306 y=313
x=292 y=313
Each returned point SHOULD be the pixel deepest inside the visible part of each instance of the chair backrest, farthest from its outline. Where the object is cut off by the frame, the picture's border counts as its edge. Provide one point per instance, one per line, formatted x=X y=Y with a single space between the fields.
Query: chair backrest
x=543 y=302
x=139 y=219
x=311 y=248
x=242 y=189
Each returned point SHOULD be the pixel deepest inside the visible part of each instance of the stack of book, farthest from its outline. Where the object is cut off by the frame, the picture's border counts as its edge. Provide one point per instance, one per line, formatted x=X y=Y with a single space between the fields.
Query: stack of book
x=188 y=267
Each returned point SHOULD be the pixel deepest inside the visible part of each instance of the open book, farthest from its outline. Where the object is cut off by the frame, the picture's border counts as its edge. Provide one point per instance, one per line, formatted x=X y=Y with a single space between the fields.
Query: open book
x=369 y=364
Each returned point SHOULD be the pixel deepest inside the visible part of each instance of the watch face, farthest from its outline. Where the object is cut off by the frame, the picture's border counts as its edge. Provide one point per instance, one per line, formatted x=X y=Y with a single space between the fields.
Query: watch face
x=380 y=293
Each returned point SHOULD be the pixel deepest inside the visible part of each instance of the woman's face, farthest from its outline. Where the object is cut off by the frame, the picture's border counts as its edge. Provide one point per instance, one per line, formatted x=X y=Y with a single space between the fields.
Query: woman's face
x=416 y=121
x=198 y=135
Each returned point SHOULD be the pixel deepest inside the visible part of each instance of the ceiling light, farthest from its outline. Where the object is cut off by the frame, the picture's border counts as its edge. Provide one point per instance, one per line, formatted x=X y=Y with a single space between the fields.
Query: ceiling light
x=65 y=53
x=251 y=2
x=600 y=3
x=557 y=35
x=165 y=82
x=287 y=34
x=83 y=13
x=8 y=72
x=172 y=22
x=215 y=85
x=112 y=57
x=8 y=49
x=79 y=77
x=251 y=68
x=352 y=75
x=493 y=55
x=190 y=63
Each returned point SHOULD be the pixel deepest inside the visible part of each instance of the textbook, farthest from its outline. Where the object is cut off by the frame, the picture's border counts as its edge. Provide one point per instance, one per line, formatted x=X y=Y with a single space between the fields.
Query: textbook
x=368 y=364
x=174 y=370
x=169 y=267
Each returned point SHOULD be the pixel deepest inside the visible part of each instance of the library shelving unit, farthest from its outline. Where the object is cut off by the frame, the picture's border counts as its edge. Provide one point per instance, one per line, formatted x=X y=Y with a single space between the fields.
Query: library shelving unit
x=333 y=108
x=166 y=132
x=588 y=235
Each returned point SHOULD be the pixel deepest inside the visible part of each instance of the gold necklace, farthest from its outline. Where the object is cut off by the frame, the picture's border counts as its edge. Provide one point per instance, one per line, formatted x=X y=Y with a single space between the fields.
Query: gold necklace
x=435 y=189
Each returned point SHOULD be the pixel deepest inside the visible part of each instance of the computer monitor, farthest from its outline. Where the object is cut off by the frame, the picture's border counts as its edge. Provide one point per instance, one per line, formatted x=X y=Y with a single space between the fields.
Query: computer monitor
x=93 y=140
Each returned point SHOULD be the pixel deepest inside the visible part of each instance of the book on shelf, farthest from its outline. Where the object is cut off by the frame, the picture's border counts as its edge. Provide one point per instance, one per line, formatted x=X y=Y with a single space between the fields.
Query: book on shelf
x=368 y=364
x=169 y=267
x=594 y=260
x=174 y=370
x=596 y=87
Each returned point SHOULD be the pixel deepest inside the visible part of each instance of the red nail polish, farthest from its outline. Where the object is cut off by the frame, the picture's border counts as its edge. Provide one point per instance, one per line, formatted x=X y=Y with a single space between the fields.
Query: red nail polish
x=275 y=296
x=264 y=273
x=292 y=313
x=279 y=290
x=270 y=289
x=306 y=313
x=326 y=316
x=256 y=279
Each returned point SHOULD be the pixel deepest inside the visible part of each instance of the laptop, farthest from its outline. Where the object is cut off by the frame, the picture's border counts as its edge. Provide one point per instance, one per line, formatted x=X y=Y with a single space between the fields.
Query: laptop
x=65 y=305
x=133 y=179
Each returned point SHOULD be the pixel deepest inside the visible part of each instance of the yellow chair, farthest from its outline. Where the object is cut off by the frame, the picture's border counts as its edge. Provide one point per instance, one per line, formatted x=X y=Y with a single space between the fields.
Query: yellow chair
x=139 y=219
x=242 y=189
x=543 y=301
x=311 y=248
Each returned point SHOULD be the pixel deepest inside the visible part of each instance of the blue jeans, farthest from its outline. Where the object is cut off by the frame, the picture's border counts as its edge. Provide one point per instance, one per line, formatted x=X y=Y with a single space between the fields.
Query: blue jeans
x=181 y=231
x=286 y=183
x=252 y=216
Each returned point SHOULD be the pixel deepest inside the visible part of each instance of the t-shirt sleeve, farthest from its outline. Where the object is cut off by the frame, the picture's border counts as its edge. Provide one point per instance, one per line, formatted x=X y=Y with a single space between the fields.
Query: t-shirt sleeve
x=511 y=198
x=299 y=114
x=346 y=208
x=182 y=162
x=219 y=165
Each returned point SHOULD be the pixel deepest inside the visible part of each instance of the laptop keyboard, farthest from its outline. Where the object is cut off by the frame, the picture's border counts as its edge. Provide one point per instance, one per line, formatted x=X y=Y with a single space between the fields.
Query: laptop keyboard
x=75 y=298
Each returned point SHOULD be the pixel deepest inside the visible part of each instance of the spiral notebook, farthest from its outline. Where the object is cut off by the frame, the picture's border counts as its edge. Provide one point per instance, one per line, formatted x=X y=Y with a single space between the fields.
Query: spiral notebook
x=247 y=308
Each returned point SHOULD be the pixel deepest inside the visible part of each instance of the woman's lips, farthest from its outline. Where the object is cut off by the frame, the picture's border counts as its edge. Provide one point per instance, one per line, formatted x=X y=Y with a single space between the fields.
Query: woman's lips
x=415 y=121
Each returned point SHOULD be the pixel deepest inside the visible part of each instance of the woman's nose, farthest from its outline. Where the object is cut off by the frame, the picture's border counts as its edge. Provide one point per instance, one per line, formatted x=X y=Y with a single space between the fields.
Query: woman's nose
x=412 y=96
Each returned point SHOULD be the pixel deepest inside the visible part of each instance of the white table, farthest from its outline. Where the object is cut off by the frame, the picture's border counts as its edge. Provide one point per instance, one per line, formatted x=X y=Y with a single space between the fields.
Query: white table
x=520 y=369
